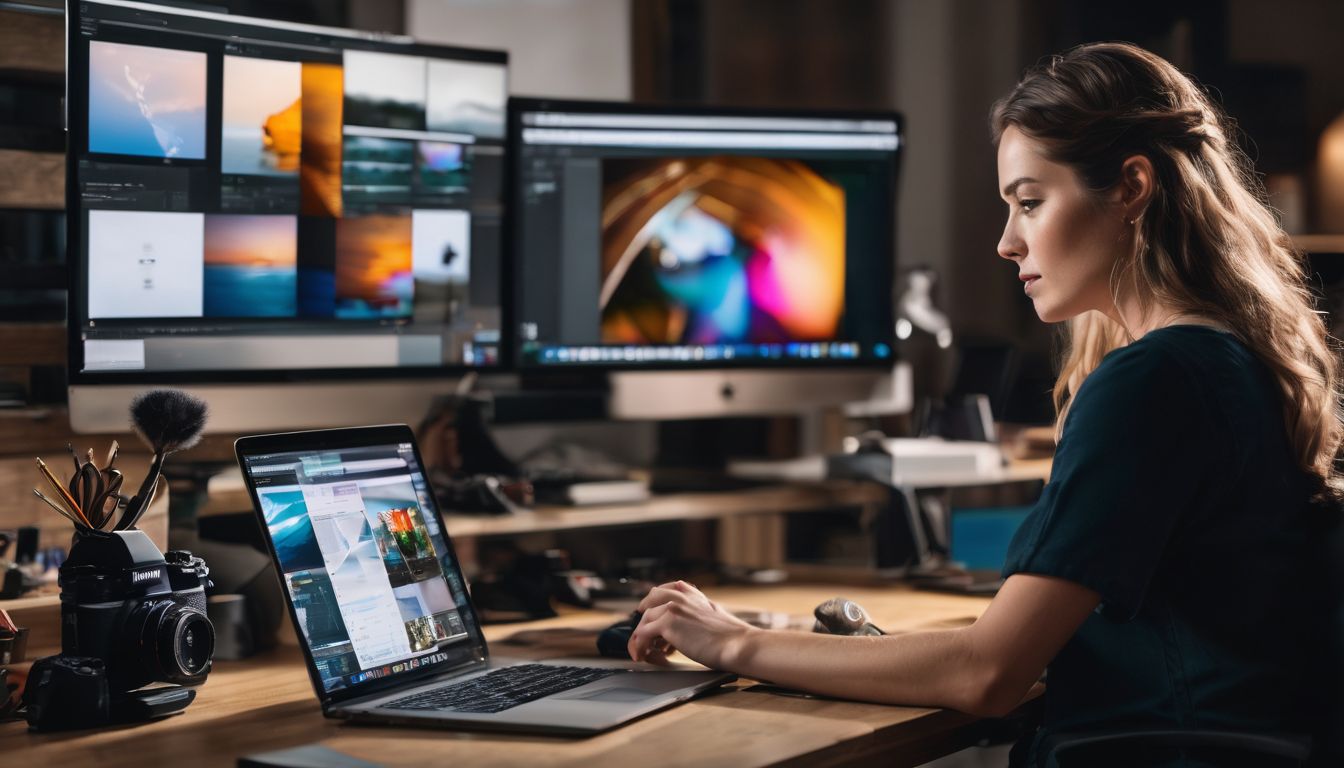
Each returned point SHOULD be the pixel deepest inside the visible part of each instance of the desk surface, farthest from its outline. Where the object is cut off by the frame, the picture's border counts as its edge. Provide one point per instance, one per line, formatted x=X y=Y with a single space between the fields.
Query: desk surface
x=267 y=703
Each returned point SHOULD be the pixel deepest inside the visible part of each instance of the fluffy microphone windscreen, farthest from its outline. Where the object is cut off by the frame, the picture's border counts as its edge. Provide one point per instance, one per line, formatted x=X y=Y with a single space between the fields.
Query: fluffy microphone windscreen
x=168 y=420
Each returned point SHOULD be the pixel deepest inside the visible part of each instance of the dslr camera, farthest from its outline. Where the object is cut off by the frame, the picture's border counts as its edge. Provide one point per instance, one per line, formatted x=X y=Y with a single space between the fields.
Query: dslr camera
x=130 y=616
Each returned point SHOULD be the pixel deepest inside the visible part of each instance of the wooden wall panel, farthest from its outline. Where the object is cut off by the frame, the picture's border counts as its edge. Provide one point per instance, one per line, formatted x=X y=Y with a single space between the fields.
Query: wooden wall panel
x=28 y=344
x=32 y=41
x=32 y=179
x=19 y=475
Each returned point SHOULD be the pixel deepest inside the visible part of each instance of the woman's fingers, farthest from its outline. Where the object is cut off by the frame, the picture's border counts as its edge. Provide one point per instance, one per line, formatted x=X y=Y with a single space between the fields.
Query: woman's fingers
x=650 y=629
x=674 y=613
x=660 y=595
x=674 y=591
x=650 y=642
x=658 y=653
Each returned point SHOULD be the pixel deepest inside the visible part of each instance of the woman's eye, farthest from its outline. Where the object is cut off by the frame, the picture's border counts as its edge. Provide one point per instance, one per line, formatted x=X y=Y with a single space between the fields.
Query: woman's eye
x=1028 y=205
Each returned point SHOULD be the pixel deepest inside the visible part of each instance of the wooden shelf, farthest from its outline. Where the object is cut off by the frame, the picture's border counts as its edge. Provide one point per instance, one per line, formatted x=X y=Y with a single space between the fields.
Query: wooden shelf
x=42 y=601
x=673 y=507
x=229 y=495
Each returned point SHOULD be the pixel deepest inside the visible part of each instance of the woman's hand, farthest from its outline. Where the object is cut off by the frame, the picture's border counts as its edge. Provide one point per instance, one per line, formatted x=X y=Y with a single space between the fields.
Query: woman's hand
x=678 y=617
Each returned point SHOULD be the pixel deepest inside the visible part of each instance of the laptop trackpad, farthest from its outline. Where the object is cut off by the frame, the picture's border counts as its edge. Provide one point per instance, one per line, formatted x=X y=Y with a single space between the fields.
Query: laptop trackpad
x=617 y=694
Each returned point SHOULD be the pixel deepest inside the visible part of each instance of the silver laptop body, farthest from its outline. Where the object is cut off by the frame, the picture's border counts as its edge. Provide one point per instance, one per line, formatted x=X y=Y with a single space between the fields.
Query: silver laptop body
x=375 y=591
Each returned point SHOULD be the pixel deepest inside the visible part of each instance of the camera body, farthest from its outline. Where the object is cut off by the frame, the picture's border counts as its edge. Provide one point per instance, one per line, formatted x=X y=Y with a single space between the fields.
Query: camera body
x=142 y=612
x=130 y=616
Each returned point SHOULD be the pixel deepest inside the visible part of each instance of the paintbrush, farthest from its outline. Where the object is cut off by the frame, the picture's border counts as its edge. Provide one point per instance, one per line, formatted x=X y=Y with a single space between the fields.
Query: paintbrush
x=167 y=421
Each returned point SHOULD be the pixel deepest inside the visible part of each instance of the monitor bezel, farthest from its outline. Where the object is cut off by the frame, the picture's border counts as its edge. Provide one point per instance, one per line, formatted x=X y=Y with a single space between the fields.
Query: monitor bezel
x=76 y=54
x=510 y=342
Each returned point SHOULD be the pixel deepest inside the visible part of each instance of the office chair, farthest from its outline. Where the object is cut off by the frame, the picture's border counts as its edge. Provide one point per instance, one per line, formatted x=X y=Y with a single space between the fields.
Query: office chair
x=1322 y=746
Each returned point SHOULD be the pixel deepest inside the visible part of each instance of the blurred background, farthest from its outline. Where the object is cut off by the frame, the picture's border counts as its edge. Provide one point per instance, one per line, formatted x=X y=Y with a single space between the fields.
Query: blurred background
x=1276 y=67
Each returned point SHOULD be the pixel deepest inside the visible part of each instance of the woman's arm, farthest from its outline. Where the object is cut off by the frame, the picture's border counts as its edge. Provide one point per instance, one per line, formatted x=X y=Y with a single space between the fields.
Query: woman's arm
x=984 y=669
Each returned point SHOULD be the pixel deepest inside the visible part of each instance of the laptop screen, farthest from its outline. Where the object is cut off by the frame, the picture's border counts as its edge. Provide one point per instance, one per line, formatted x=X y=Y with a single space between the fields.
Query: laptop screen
x=362 y=553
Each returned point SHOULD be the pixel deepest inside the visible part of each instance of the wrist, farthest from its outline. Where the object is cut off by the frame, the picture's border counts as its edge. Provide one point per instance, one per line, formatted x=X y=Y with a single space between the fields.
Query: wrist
x=741 y=649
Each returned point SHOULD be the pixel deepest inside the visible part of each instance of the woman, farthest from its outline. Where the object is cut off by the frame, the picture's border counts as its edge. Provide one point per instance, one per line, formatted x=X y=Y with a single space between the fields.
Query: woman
x=1163 y=578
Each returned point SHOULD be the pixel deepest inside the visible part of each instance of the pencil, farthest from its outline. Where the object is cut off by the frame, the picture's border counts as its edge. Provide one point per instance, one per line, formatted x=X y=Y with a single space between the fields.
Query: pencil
x=63 y=494
x=57 y=507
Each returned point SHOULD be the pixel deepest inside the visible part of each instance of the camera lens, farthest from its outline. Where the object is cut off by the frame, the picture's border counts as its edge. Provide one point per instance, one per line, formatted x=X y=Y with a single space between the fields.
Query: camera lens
x=177 y=643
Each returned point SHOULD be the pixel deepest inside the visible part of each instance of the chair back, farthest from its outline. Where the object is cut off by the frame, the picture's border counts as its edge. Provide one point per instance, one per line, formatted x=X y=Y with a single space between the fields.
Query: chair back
x=1330 y=731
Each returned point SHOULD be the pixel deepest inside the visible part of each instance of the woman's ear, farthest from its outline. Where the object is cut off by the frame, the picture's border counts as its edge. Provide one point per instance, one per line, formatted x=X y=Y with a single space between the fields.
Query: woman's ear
x=1137 y=181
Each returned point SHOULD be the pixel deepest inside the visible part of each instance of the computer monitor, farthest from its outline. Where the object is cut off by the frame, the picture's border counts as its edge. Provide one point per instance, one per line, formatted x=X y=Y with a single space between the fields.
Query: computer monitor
x=258 y=201
x=719 y=247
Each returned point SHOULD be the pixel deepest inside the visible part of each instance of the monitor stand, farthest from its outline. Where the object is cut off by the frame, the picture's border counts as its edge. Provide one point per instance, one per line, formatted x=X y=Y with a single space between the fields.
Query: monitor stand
x=735 y=392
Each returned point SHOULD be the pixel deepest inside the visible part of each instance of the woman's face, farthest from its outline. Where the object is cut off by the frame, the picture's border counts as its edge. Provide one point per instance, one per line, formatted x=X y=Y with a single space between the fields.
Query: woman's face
x=1063 y=240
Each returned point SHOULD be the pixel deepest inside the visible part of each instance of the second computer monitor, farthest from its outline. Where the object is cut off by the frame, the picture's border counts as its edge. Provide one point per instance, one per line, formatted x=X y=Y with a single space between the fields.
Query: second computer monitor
x=672 y=238
x=255 y=202
x=251 y=200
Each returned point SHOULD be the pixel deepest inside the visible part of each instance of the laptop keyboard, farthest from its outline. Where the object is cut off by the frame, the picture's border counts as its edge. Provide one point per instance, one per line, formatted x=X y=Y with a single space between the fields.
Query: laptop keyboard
x=502 y=689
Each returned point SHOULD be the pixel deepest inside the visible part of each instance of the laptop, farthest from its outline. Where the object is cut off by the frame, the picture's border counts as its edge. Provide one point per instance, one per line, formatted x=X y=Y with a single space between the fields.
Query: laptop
x=382 y=611
x=980 y=522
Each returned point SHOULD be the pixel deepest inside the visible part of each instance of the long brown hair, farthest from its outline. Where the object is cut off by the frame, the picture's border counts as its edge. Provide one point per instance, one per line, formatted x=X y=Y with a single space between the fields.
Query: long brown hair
x=1207 y=244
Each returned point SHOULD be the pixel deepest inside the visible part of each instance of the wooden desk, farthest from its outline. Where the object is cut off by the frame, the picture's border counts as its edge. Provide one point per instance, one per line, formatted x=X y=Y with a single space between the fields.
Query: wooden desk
x=267 y=703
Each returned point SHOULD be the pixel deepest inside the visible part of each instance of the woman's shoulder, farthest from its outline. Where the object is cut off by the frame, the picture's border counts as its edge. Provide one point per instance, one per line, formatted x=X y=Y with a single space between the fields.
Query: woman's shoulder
x=1179 y=375
x=1145 y=404
x=1168 y=377
x=1180 y=356
x=1159 y=361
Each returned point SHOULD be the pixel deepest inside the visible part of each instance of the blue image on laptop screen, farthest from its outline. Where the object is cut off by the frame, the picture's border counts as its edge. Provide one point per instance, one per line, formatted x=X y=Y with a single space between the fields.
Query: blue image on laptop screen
x=980 y=536
x=364 y=559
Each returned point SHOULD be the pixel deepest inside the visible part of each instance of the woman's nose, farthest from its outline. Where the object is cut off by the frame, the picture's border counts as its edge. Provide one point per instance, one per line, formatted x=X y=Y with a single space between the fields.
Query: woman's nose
x=1010 y=245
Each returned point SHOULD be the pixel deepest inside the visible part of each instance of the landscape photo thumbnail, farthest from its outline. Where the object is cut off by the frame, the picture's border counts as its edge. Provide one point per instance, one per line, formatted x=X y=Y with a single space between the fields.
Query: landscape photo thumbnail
x=146 y=101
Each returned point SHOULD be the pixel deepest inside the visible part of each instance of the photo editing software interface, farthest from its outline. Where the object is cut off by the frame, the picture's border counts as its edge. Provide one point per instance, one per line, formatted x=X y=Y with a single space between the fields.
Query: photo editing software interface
x=258 y=196
x=374 y=586
x=657 y=238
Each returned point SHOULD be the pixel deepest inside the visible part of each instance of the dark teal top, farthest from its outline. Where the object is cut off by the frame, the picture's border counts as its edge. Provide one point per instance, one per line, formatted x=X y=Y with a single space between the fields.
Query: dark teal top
x=1175 y=496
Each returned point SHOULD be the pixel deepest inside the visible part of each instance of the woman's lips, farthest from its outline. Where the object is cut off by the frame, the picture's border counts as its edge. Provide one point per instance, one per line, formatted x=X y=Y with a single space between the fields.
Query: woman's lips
x=1028 y=281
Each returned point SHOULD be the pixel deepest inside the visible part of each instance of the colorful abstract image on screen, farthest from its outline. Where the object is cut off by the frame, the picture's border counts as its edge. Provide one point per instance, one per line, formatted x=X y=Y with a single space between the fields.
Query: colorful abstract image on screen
x=146 y=101
x=251 y=266
x=442 y=166
x=401 y=533
x=721 y=249
x=263 y=116
x=373 y=267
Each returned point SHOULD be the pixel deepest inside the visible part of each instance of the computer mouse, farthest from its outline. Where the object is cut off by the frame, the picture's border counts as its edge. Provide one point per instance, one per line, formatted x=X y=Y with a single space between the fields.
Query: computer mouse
x=614 y=641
